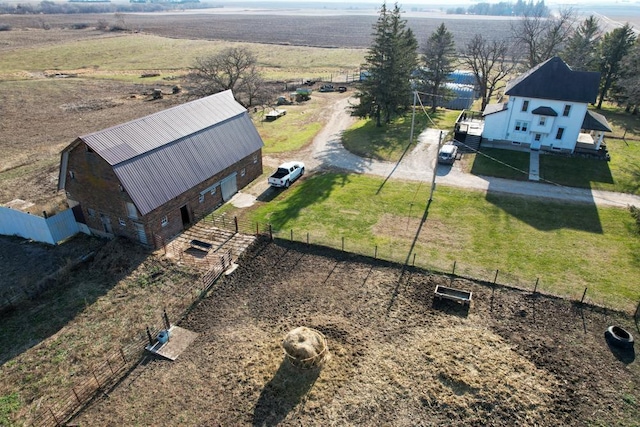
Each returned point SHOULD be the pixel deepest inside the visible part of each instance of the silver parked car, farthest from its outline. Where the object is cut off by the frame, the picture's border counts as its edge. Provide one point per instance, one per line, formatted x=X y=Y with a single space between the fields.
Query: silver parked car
x=447 y=154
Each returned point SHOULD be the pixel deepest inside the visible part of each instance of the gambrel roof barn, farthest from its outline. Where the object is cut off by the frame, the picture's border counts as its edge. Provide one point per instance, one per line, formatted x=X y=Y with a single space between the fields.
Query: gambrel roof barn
x=164 y=163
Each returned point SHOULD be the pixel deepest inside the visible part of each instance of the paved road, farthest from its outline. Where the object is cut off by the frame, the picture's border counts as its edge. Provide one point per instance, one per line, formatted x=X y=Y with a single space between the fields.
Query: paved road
x=327 y=151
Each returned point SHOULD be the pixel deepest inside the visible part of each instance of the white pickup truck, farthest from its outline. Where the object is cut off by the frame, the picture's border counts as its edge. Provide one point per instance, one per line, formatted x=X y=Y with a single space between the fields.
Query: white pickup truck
x=286 y=174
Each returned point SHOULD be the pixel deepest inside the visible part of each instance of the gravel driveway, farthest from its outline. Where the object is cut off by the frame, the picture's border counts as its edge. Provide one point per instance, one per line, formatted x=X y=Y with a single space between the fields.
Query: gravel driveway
x=327 y=151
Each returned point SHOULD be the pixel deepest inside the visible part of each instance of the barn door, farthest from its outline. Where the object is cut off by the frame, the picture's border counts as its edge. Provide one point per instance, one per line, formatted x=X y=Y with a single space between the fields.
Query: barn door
x=229 y=187
x=142 y=236
x=106 y=223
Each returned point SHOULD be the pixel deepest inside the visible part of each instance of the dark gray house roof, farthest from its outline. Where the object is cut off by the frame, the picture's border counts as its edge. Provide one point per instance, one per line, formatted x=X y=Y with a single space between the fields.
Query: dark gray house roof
x=545 y=111
x=159 y=157
x=553 y=79
x=595 y=121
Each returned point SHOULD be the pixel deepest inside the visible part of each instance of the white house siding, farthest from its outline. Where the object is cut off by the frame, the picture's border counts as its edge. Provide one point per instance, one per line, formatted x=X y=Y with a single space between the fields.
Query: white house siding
x=495 y=125
x=502 y=125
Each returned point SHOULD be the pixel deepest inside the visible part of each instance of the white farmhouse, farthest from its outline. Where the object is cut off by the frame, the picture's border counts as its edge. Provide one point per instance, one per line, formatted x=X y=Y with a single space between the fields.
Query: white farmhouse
x=547 y=110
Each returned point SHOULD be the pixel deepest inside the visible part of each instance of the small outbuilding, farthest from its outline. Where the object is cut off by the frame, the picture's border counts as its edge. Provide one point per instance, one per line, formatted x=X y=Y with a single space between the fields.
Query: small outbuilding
x=150 y=178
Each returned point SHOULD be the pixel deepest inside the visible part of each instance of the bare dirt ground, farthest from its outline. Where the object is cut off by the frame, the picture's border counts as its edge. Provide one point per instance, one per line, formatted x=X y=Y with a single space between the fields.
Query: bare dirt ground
x=397 y=357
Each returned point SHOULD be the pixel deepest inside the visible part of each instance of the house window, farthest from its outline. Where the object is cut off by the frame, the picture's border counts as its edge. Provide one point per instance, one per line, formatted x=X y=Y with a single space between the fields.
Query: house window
x=542 y=121
x=201 y=198
x=521 y=126
x=91 y=212
x=122 y=222
x=72 y=175
x=243 y=172
x=132 y=212
x=525 y=105
x=537 y=137
x=255 y=158
x=567 y=109
x=559 y=133
x=164 y=221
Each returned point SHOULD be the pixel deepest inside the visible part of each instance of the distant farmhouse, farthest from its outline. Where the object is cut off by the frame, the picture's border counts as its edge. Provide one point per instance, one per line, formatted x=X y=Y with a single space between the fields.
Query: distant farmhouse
x=150 y=178
x=547 y=110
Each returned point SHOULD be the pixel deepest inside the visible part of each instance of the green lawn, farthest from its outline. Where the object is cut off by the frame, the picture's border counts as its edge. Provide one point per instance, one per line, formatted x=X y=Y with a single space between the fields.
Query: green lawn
x=389 y=142
x=569 y=247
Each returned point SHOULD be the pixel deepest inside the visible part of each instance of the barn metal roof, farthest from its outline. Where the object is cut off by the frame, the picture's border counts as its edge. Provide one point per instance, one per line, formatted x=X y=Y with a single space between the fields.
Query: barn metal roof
x=159 y=157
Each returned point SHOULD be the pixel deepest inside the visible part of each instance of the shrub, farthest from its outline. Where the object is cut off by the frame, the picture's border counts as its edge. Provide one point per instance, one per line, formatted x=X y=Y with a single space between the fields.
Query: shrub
x=79 y=26
x=635 y=213
x=5 y=27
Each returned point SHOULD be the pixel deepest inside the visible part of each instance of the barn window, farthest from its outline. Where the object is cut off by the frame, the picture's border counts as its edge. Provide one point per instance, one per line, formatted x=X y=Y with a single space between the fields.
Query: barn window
x=255 y=158
x=132 y=212
x=213 y=191
x=72 y=175
x=164 y=221
x=122 y=222
x=243 y=172
x=91 y=212
x=201 y=198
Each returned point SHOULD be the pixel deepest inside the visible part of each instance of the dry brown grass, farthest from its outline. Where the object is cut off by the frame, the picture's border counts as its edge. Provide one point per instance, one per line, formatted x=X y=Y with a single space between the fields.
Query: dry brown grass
x=398 y=358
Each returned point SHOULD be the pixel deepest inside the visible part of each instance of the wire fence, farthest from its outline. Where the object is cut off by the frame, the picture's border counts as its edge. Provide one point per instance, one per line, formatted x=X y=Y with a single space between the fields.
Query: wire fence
x=105 y=373
x=124 y=358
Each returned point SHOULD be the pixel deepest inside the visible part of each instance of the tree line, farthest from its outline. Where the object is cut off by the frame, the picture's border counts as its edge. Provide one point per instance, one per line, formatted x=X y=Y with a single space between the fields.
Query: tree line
x=503 y=8
x=396 y=66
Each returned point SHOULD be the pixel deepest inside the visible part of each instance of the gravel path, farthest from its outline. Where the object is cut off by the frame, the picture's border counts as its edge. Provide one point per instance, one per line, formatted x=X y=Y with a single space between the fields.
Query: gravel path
x=327 y=151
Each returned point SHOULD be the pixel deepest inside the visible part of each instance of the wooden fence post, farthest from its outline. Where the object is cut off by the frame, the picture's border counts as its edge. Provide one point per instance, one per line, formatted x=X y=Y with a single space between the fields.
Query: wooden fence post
x=167 y=324
x=535 y=288
x=270 y=233
x=123 y=356
x=342 y=243
x=495 y=278
x=54 y=417
x=291 y=235
x=413 y=263
x=375 y=252
x=149 y=336
x=583 y=295
x=307 y=238
x=235 y=221
x=453 y=273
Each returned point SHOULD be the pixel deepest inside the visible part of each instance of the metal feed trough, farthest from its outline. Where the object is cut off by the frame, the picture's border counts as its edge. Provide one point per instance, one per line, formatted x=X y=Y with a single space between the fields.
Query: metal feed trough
x=453 y=294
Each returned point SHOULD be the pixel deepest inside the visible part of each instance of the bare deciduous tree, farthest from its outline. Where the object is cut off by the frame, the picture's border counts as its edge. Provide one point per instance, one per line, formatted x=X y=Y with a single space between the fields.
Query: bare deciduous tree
x=540 y=38
x=490 y=63
x=233 y=68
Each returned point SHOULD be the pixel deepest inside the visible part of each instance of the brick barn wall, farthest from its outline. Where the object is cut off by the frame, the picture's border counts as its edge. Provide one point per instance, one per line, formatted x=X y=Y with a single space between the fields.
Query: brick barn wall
x=97 y=188
x=252 y=166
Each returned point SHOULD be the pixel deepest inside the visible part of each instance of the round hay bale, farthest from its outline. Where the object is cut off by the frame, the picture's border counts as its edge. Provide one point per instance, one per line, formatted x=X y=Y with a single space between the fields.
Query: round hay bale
x=305 y=347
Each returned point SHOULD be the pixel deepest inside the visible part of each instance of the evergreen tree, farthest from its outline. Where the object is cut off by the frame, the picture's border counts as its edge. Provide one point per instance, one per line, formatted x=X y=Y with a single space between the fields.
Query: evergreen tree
x=613 y=47
x=438 y=60
x=390 y=60
x=627 y=88
x=582 y=48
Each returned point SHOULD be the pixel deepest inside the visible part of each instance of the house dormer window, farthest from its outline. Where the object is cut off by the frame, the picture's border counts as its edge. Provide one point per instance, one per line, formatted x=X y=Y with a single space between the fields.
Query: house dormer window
x=525 y=105
x=567 y=109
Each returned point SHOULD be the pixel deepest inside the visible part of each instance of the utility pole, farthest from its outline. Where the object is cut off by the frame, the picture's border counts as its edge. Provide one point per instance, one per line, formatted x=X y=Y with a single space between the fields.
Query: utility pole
x=413 y=116
x=435 y=168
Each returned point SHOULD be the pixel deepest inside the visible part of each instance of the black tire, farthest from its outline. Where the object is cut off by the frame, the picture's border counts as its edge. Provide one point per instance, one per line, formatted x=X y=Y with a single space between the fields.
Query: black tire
x=287 y=184
x=619 y=337
x=302 y=172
